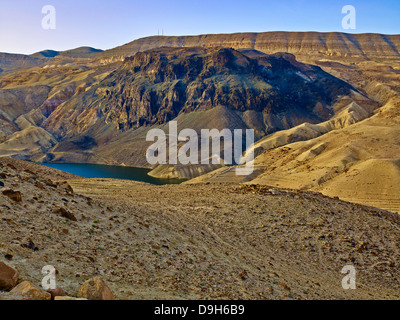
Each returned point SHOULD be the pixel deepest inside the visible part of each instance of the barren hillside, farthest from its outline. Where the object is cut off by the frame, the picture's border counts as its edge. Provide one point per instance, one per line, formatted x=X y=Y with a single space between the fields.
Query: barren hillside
x=219 y=241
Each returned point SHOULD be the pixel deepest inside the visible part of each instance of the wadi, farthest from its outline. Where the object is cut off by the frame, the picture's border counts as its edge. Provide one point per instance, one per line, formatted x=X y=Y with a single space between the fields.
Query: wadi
x=322 y=192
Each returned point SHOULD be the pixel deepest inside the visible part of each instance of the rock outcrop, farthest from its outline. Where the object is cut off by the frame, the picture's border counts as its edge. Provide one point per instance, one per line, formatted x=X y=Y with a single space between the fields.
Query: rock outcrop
x=156 y=86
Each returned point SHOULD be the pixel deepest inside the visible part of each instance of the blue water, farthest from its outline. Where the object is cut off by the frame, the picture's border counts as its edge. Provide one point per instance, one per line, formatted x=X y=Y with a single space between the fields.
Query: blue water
x=106 y=171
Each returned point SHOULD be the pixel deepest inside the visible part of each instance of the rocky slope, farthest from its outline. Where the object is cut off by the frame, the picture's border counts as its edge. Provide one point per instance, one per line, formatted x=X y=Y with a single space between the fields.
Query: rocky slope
x=205 y=241
x=29 y=96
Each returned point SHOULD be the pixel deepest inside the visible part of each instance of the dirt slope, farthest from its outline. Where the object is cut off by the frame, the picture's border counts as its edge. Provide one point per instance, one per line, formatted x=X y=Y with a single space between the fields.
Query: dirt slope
x=198 y=241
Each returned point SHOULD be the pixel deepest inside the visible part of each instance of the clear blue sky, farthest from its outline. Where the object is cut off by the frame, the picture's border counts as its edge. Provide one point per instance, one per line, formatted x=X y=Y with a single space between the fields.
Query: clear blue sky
x=106 y=24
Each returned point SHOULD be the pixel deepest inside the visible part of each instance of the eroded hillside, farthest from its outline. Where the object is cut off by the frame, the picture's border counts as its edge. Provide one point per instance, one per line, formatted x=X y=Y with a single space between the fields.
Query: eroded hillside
x=82 y=112
x=354 y=156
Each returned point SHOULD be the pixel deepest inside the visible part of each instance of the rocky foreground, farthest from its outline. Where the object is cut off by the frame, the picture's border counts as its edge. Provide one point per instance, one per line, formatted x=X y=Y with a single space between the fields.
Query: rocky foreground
x=34 y=193
x=205 y=241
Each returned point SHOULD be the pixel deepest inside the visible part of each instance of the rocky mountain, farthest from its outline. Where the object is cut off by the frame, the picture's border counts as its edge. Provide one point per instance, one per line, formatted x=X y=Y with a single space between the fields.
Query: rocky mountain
x=156 y=86
x=201 y=88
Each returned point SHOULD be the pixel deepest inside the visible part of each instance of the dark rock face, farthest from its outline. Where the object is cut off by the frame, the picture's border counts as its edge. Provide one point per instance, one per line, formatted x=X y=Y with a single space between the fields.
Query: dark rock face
x=154 y=87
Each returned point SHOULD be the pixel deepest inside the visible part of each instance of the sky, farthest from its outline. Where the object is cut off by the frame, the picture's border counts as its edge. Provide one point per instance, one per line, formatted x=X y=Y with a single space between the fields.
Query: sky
x=106 y=24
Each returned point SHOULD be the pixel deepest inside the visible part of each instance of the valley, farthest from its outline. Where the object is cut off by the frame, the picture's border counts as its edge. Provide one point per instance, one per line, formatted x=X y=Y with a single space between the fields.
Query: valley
x=324 y=192
x=90 y=106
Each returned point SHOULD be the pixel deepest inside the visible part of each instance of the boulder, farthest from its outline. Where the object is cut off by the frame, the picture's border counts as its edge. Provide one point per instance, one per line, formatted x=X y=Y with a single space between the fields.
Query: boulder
x=58 y=292
x=13 y=195
x=28 y=289
x=95 y=289
x=51 y=183
x=8 y=277
x=67 y=187
x=39 y=185
x=65 y=214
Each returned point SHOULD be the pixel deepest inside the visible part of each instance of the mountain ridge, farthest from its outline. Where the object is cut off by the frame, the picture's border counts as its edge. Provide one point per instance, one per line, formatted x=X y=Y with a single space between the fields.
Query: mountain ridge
x=10 y=62
x=324 y=43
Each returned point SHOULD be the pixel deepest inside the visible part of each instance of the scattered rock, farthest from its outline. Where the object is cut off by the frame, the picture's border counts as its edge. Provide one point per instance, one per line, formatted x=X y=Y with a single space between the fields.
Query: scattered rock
x=39 y=185
x=51 y=183
x=30 y=245
x=68 y=188
x=65 y=214
x=284 y=286
x=58 y=292
x=1 y=184
x=11 y=166
x=8 y=277
x=95 y=289
x=243 y=275
x=274 y=191
x=31 y=290
x=8 y=256
x=13 y=195
x=6 y=296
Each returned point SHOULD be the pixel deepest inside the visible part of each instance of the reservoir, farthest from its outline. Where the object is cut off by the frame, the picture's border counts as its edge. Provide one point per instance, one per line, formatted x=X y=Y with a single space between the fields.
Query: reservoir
x=107 y=171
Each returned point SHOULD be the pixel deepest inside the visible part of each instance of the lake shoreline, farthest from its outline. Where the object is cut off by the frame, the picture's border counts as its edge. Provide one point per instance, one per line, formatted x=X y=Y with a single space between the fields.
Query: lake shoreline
x=92 y=170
